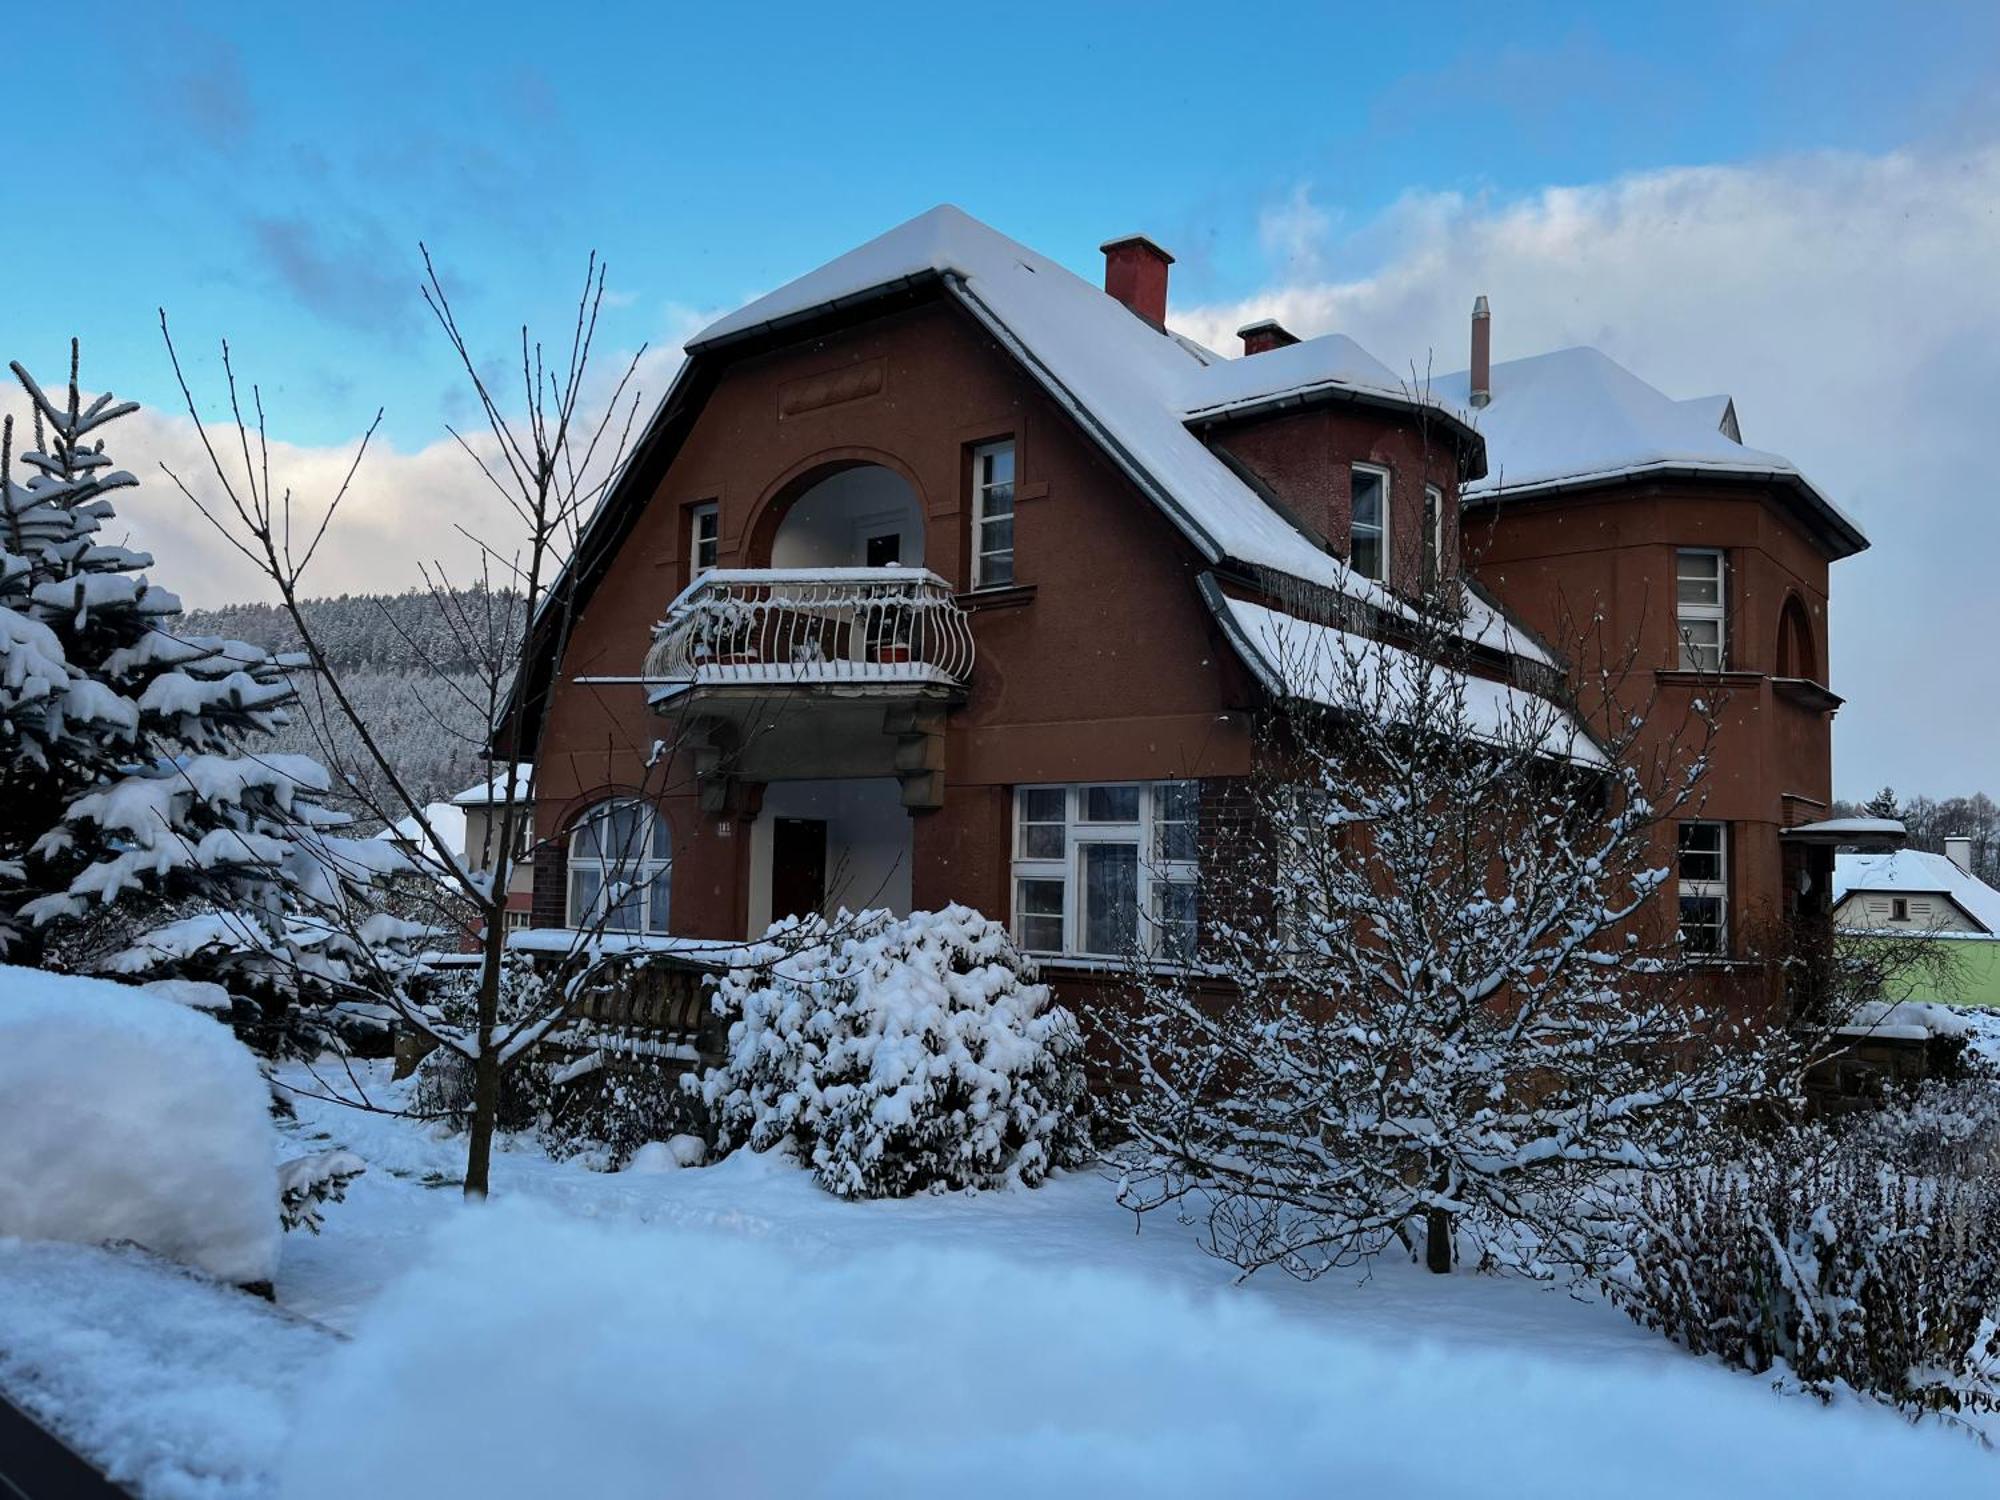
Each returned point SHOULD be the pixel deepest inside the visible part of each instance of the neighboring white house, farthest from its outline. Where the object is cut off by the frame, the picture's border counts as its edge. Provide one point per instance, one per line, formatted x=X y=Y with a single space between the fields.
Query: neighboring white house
x=1915 y=892
x=481 y=807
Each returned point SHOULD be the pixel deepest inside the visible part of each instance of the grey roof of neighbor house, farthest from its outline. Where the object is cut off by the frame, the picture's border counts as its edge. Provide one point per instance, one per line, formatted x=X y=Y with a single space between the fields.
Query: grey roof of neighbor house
x=1577 y=417
x=1917 y=872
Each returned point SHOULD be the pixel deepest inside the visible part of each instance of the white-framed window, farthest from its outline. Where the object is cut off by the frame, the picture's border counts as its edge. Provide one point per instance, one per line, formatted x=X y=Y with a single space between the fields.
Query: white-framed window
x=620 y=868
x=704 y=539
x=1433 y=571
x=993 y=515
x=1701 y=594
x=1105 y=869
x=520 y=921
x=1704 y=889
x=1368 y=522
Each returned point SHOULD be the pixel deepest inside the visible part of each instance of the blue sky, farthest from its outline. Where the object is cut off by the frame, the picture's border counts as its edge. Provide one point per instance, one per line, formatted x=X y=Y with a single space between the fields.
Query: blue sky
x=1797 y=203
x=266 y=172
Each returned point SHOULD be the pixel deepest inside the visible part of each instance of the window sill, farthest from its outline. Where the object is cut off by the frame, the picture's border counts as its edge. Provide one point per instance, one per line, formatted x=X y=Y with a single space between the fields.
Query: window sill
x=1006 y=596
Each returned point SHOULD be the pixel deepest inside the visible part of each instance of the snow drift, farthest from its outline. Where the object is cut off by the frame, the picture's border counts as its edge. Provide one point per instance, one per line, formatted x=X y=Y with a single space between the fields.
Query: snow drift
x=127 y=1116
x=577 y=1368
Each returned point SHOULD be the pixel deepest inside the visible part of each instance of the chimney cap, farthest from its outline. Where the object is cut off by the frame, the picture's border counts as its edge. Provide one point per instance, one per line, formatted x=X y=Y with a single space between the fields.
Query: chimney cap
x=1263 y=325
x=1145 y=242
x=1479 y=307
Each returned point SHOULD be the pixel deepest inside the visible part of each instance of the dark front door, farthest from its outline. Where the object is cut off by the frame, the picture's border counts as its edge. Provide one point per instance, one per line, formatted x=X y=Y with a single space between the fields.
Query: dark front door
x=881 y=551
x=798 y=867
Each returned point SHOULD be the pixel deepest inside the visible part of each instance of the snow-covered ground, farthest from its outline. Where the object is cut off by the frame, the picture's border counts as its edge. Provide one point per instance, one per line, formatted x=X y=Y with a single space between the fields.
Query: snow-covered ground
x=735 y=1330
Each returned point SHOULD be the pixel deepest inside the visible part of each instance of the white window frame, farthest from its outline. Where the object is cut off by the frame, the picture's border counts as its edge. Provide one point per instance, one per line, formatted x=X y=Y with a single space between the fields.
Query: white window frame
x=981 y=489
x=1716 y=614
x=1388 y=507
x=1157 y=875
x=1716 y=889
x=637 y=865
x=1434 y=535
x=697 y=514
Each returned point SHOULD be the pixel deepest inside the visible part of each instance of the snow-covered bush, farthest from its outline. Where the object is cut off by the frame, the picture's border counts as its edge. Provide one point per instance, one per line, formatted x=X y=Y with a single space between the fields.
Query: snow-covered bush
x=1831 y=1256
x=125 y=1116
x=306 y=1183
x=897 y=1055
x=606 y=1110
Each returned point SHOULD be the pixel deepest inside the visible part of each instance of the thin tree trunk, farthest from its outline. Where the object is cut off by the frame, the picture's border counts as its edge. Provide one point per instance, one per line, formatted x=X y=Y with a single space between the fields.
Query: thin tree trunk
x=486 y=1066
x=1437 y=1229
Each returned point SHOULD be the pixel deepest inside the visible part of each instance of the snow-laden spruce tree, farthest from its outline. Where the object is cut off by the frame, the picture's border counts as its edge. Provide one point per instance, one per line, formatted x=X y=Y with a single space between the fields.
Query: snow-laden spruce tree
x=1453 y=1006
x=132 y=787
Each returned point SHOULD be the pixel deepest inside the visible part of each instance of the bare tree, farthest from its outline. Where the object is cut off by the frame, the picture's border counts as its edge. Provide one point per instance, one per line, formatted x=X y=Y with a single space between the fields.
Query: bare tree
x=1439 y=988
x=550 y=459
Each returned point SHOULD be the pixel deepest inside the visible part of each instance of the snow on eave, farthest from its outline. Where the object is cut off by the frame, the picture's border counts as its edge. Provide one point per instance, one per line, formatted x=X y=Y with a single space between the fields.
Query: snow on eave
x=1498 y=487
x=1247 y=627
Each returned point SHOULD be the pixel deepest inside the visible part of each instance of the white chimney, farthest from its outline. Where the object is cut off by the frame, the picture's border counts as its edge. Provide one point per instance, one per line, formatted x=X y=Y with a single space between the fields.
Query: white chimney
x=1958 y=849
x=1482 y=352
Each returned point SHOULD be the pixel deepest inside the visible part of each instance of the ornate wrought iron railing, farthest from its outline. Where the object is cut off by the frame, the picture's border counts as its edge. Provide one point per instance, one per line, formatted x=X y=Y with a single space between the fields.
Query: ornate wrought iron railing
x=810 y=627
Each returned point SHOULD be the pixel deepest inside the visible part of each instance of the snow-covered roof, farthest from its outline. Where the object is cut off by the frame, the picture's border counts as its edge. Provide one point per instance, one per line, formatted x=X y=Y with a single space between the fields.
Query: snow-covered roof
x=1917 y=871
x=1577 y=416
x=1298 y=658
x=1858 y=829
x=1128 y=382
x=445 y=820
x=486 y=793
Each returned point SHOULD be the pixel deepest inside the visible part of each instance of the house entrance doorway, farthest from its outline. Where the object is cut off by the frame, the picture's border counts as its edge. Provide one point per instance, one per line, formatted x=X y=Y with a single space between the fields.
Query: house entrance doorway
x=798 y=866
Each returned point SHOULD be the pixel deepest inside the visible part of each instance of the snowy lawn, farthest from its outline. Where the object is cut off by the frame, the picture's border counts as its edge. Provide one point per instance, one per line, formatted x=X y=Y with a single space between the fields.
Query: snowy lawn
x=736 y=1330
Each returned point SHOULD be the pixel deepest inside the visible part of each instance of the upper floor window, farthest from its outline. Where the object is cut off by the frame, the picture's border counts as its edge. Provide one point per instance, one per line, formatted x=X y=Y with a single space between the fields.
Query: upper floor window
x=1368 y=523
x=620 y=868
x=1433 y=570
x=704 y=539
x=1107 y=869
x=1700 y=585
x=1704 y=889
x=993 y=515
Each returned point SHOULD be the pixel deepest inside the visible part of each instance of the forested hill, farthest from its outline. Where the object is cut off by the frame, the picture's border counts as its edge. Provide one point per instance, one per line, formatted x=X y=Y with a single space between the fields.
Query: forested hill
x=412 y=662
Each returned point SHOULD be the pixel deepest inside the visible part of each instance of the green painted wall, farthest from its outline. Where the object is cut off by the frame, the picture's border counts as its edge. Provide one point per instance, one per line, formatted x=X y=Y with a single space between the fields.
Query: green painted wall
x=1976 y=977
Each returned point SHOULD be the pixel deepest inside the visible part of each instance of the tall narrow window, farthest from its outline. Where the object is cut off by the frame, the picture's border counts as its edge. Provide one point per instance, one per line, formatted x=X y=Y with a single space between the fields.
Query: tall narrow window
x=1103 y=870
x=704 y=539
x=993 y=516
x=620 y=868
x=1433 y=538
x=1368 y=523
x=1704 y=889
x=1700 y=580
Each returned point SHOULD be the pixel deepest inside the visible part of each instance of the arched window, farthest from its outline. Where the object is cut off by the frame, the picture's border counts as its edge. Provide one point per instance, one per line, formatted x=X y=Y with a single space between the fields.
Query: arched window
x=1796 y=657
x=620 y=865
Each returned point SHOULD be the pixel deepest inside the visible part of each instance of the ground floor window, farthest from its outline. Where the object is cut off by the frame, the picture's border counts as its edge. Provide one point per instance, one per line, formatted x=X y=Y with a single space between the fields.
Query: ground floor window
x=620 y=868
x=1106 y=869
x=1704 y=889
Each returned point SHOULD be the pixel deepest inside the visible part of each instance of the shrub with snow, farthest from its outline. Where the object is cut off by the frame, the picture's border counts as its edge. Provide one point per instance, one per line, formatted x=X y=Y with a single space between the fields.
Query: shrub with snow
x=307 y=1183
x=126 y=1116
x=897 y=1055
x=1864 y=1255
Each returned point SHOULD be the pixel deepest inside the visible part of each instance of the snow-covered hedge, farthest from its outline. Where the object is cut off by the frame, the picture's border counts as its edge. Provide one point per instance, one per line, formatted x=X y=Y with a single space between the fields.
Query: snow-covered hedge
x=897 y=1055
x=127 y=1116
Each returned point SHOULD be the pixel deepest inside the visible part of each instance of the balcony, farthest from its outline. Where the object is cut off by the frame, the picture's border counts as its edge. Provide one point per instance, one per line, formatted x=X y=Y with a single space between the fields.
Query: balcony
x=889 y=632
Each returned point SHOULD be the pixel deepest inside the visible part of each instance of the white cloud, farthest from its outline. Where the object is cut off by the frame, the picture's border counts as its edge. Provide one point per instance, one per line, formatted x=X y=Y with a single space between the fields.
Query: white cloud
x=1851 y=304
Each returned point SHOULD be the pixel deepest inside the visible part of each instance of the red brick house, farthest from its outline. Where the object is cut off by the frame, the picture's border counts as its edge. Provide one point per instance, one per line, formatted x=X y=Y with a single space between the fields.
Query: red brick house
x=952 y=577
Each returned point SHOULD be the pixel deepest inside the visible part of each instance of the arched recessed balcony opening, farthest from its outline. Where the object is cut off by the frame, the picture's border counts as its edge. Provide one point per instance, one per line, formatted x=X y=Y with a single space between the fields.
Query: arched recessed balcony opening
x=862 y=517
x=1797 y=656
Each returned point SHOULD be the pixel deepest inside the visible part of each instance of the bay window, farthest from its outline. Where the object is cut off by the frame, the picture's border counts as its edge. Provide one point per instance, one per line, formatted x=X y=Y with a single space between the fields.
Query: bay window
x=1106 y=869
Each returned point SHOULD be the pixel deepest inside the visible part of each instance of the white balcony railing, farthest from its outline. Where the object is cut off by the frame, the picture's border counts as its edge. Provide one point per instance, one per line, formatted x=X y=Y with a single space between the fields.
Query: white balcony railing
x=811 y=627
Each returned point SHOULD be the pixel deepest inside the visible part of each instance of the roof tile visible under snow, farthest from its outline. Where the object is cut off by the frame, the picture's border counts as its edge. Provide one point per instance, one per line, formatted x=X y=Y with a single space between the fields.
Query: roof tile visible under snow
x=1917 y=870
x=1576 y=415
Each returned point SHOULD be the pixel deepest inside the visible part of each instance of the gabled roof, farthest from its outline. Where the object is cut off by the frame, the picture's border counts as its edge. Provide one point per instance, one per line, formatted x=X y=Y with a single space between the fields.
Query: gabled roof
x=1917 y=872
x=487 y=793
x=1576 y=417
x=1129 y=383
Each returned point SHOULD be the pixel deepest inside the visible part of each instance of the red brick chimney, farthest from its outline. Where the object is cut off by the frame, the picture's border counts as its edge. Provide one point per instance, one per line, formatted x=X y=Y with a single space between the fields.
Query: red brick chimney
x=1265 y=335
x=1482 y=351
x=1135 y=272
